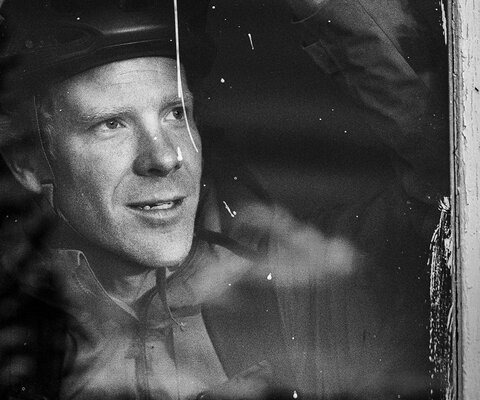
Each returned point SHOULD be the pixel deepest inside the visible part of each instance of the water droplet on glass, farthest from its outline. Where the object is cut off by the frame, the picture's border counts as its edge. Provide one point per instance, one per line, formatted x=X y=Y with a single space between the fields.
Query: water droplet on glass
x=251 y=41
x=232 y=214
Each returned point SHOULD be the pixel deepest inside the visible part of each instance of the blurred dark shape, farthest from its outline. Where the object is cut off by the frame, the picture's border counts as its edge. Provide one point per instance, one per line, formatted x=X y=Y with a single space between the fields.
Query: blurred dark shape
x=32 y=327
x=369 y=173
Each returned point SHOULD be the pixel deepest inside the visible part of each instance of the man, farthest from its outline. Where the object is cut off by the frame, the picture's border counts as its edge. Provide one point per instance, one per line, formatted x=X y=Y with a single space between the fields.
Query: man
x=143 y=301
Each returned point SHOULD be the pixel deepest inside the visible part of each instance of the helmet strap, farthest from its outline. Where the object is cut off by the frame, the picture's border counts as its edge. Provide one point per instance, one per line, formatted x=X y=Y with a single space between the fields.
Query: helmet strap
x=42 y=143
x=48 y=185
x=179 y=73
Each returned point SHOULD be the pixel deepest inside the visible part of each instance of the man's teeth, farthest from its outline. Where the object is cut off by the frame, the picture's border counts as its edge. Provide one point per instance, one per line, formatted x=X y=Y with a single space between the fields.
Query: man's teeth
x=159 y=206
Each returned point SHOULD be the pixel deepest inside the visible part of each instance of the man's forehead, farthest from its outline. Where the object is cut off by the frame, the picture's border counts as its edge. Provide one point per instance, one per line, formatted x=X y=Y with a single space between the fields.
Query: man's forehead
x=155 y=74
x=142 y=68
x=161 y=70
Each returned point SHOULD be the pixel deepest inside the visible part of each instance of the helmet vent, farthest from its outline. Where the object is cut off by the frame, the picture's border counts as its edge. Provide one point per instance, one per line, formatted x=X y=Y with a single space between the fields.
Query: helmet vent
x=70 y=36
x=60 y=37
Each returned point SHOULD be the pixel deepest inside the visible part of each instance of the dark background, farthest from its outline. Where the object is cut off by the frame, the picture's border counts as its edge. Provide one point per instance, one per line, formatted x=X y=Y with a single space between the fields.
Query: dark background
x=306 y=141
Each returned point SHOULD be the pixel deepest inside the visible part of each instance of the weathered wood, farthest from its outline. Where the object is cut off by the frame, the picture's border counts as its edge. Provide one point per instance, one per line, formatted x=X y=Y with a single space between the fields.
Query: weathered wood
x=466 y=183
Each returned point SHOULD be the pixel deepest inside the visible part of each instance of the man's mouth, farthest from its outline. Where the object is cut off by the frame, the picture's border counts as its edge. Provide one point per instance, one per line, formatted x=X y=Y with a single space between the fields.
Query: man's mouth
x=157 y=205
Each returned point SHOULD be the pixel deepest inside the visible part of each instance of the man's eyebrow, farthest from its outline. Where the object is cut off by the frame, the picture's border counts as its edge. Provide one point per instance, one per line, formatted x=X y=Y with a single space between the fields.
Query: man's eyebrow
x=94 y=115
x=87 y=116
x=188 y=97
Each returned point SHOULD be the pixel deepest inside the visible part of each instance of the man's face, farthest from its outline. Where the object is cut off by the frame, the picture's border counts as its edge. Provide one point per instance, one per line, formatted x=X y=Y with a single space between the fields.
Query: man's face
x=127 y=174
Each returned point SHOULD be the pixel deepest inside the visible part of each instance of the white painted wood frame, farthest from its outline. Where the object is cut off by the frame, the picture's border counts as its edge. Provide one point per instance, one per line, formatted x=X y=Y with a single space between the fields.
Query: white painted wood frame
x=464 y=17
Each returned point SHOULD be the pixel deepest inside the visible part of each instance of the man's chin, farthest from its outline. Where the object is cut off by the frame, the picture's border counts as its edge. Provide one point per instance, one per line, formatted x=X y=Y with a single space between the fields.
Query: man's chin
x=165 y=259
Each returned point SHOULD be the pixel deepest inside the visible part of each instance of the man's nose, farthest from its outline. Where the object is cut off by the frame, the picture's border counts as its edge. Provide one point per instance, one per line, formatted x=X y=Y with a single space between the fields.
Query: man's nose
x=157 y=155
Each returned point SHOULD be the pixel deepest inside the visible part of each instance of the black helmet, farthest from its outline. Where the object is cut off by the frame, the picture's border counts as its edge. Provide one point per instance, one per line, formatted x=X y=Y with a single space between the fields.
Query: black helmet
x=47 y=40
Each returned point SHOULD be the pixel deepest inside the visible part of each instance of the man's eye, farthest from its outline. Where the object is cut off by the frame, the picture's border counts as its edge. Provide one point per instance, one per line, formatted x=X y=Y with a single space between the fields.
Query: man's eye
x=112 y=124
x=176 y=114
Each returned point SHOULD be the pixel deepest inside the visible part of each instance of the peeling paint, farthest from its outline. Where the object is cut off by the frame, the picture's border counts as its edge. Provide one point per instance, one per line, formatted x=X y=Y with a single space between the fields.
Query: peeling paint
x=444 y=21
x=466 y=110
x=441 y=301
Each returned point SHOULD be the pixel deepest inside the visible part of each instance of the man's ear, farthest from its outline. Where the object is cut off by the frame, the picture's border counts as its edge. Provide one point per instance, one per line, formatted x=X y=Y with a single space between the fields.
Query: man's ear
x=28 y=165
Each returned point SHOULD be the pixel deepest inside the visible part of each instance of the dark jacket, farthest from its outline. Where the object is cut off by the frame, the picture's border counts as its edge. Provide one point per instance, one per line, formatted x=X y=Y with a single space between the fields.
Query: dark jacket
x=82 y=343
x=366 y=334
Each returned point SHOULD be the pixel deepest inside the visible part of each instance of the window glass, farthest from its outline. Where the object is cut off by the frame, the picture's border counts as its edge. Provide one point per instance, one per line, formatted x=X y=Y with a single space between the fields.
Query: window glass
x=268 y=221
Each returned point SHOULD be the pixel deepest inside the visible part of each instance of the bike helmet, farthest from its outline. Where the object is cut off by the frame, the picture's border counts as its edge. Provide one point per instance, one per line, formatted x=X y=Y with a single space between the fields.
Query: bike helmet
x=43 y=41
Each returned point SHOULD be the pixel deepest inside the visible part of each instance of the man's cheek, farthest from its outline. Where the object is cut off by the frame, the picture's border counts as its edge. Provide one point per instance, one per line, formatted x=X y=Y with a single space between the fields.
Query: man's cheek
x=81 y=190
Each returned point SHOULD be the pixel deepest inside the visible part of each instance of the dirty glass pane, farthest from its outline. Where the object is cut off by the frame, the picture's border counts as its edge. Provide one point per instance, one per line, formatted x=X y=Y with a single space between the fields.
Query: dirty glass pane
x=256 y=226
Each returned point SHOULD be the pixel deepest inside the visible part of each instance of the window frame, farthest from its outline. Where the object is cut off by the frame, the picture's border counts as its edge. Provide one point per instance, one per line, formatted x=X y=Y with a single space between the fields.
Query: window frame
x=464 y=51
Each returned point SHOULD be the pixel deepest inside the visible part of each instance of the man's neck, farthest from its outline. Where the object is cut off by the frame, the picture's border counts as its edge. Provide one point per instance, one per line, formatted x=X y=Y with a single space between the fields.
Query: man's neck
x=123 y=281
